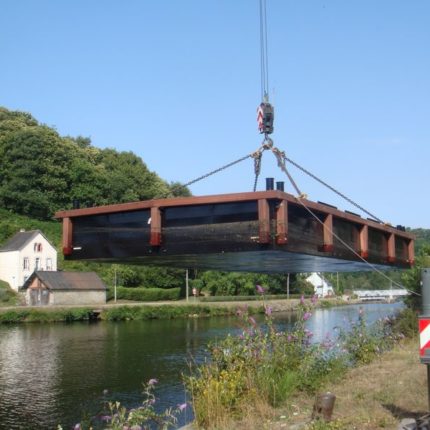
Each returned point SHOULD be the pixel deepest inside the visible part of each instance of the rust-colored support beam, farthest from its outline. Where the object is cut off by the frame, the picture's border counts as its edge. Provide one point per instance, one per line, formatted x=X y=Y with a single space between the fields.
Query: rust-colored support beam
x=391 y=248
x=282 y=223
x=328 y=234
x=263 y=221
x=155 y=238
x=67 y=236
x=411 y=253
x=364 y=241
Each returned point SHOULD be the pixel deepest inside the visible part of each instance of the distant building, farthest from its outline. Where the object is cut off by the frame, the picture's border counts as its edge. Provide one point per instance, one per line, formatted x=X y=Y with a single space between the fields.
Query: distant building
x=322 y=288
x=24 y=253
x=381 y=295
x=64 y=288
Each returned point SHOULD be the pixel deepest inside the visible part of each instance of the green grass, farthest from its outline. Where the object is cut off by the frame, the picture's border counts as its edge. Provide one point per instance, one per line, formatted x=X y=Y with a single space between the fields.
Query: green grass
x=44 y=315
x=8 y=297
x=163 y=312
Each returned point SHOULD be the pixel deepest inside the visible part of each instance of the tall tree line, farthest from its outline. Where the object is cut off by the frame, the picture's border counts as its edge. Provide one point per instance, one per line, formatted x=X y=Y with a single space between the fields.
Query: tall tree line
x=42 y=172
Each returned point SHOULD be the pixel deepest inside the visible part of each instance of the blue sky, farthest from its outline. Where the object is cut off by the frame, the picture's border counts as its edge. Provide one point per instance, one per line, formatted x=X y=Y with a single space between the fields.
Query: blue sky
x=178 y=83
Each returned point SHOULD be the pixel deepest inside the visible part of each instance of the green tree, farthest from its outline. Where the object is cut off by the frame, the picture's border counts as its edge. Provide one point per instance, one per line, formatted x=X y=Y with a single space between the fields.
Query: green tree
x=412 y=278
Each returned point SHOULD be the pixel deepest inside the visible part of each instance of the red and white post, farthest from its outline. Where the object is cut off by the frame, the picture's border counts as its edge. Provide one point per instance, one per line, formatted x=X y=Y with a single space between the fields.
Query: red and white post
x=424 y=324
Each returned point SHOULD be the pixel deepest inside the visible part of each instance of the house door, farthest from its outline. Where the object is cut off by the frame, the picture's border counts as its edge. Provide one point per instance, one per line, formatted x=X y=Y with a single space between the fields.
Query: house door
x=44 y=298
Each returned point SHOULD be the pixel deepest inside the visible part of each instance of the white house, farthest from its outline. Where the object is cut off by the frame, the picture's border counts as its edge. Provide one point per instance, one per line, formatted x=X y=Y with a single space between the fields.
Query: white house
x=322 y=288
x=23 y=254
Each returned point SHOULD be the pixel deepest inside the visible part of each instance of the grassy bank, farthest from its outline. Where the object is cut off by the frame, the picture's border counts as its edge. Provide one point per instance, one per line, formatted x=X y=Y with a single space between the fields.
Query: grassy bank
x=113 y=313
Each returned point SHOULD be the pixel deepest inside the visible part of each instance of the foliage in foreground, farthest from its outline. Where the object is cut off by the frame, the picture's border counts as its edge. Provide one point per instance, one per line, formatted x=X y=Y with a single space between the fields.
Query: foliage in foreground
x=265 y=364
x=261 y=363
x=115 y=416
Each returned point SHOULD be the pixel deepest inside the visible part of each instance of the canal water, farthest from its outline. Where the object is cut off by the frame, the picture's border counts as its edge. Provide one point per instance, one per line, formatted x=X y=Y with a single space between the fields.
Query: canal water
x=54 y=374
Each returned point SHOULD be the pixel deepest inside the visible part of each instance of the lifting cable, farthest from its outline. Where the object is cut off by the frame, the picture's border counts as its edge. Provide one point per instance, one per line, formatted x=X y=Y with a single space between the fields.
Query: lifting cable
x=263 y=53
x=265 y=117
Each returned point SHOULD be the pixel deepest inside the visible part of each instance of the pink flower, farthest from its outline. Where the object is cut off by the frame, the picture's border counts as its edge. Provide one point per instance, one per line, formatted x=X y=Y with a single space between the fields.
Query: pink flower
x=260 y=289
x=77 y=427
x=289 y=338
x=182 y=406
x=306 y=316
x=302 y=300
x=153 y=381
x=314 y=299
x=308 y=333
x=268 y=310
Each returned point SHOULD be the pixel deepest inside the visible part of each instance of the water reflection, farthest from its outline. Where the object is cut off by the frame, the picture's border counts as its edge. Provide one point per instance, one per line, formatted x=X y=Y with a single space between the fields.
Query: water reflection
x=51 y=374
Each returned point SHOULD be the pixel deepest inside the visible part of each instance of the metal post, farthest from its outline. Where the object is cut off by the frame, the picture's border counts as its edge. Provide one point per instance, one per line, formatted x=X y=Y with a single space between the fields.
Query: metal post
x=186 y=284
x=114 y=286
x=424 y=324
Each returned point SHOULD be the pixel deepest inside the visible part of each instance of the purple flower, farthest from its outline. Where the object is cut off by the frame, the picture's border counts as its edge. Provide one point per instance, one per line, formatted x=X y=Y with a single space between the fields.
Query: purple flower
x=289 y=338
x=268 y=310
x=153 y=381
x=306 y=316
x=260 y=289
x=302 y=300
x=182 y=406
x=314 y=299
x=77 y=426
x=105 y=418
x=308 y=333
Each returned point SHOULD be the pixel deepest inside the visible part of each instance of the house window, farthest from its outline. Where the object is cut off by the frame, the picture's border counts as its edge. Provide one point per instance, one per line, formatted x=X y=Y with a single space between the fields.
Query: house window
x=26 y=263
x=37 y=264
x=37 y=247
x=49 y=264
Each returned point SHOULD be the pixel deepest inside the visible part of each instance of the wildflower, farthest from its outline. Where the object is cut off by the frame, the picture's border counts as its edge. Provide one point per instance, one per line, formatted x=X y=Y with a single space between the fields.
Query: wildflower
x=302 y=300
x=260 y=289
x=252 y=321
x=268 y=310
x=314 y=299
x=182 y=406
x=289 y=338
x=153 y=381
x=105 y=418
x=308 y=333
x=306 y=316
x=77 y=426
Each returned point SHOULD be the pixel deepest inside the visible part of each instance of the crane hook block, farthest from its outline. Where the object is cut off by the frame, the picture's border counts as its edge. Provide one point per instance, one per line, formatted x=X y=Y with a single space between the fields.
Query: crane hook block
x=265 y=116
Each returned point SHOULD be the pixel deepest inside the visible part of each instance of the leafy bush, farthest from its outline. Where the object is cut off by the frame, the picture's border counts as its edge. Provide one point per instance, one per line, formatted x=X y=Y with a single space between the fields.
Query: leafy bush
x=144 y=294
x=8 y=297
x=262 y=363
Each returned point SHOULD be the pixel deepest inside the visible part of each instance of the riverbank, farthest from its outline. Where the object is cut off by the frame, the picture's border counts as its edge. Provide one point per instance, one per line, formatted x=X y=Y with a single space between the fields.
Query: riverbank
x=369 y=397
x=148 y=311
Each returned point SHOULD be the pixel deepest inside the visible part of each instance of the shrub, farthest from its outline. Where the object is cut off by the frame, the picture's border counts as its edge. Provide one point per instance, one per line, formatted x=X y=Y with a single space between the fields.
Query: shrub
x=144 y=294
x=262 y=363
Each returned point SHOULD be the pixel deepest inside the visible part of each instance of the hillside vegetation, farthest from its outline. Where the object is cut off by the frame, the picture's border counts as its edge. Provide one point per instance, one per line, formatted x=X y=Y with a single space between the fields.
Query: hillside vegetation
x=42 y=172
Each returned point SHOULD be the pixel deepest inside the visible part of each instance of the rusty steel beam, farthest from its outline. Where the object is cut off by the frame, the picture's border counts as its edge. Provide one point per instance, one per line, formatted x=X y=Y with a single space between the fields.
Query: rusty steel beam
x=266 y=231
